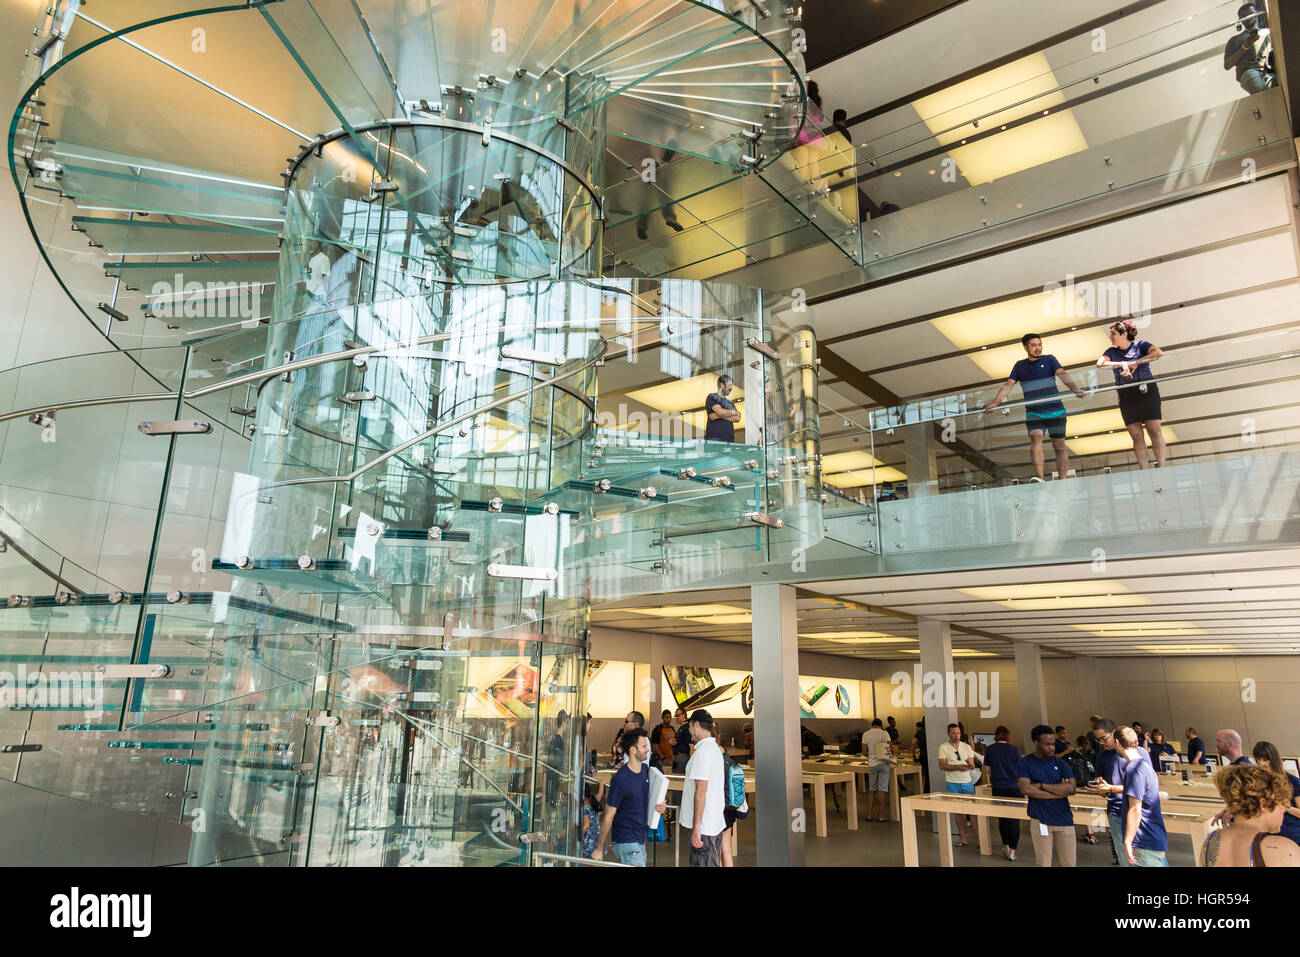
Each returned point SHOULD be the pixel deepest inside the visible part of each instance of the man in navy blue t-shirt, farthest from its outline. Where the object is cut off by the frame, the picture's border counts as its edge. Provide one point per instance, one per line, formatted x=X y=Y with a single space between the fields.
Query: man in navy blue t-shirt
x=1047 y=782
x=627 y=804
x=1037 y=377
x=1195 y=747
x=1110 y=782
x=1145 y=839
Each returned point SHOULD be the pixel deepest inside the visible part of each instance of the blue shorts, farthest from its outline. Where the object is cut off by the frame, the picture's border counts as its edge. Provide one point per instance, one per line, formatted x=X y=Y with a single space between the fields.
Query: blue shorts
x=955 y=787
x=1053 y=427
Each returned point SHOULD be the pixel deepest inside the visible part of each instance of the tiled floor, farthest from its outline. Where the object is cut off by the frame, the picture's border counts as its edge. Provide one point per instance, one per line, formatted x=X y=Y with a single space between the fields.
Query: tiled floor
x=881 y=845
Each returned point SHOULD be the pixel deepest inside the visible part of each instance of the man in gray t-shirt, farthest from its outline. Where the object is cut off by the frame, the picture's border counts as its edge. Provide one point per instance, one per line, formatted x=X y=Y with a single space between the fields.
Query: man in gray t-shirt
x=1249 y=52
x=877 y=746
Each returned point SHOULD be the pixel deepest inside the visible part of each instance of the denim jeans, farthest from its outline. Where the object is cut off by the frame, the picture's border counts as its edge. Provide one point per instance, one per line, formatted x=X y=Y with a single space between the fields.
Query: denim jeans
x=1147 y=858
x=1117 y=838
x=631 y=854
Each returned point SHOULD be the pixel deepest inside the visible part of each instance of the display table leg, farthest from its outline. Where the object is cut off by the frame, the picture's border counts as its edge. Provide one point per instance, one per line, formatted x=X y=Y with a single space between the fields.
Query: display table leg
x=1200 y=834
x=945 y=839
x=895 y=793
x=910 y=857
x=819 y=797
x=852 y=803
x=982 y=822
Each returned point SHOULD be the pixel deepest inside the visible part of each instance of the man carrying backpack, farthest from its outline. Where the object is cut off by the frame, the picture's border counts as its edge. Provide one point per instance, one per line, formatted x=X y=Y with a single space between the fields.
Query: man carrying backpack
x=703 y=794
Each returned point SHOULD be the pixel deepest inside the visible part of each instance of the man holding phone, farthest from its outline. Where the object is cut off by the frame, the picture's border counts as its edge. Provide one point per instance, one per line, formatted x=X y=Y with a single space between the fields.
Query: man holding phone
x=1248 y=52
x=1110 y=782
x=1047 y=782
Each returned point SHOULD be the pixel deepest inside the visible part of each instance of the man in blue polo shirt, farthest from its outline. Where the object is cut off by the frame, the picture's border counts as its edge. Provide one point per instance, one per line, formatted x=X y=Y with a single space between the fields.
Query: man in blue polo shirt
x=1047 y=782
x=1195 y=748
x=628 y=803
x=1037 y=374
x=1145 y=839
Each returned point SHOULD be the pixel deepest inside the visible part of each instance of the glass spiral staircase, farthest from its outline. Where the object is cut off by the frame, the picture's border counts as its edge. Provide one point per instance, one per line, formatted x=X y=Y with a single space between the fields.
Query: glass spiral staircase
x=302 y=559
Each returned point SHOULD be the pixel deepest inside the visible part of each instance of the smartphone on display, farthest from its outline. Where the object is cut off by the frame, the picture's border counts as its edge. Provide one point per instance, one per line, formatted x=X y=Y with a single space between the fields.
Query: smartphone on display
x=810 y=698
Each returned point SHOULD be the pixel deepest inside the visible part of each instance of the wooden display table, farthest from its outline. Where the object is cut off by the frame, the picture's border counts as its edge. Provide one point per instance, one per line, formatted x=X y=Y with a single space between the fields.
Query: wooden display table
x=1192 y=819
x=860 y=768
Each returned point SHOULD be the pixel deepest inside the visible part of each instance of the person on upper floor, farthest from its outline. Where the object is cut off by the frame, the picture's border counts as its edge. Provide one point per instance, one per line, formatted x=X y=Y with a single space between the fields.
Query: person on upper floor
x=1250 y=51
x=1044 y=410
x=1130 y=359
x=721 y=413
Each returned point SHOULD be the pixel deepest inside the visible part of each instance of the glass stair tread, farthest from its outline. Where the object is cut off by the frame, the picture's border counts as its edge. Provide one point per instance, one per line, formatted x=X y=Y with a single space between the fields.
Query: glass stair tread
x=95 y=612
x=150 y=237
x=166 y=273
x=329 y=576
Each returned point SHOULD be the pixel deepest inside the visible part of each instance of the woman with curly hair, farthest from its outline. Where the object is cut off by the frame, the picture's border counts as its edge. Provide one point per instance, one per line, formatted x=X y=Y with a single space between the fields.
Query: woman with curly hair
x=1257 y=799
x=1130 y=359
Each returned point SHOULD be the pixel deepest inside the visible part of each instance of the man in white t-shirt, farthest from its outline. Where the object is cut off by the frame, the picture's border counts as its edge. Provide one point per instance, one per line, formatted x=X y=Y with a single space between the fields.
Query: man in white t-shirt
x=703 y=796
x=956 y=761
x=877 y=746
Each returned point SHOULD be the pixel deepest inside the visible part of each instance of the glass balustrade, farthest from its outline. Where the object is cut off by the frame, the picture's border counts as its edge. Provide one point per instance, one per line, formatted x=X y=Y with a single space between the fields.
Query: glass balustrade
x=943 y=483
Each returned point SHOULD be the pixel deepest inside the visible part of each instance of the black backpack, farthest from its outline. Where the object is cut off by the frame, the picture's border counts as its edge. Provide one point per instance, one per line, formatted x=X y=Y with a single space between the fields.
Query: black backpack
x=1081 y=767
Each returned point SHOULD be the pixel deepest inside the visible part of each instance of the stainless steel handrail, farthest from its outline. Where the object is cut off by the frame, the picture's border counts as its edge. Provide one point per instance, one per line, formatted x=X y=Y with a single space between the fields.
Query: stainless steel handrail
x=576 y=861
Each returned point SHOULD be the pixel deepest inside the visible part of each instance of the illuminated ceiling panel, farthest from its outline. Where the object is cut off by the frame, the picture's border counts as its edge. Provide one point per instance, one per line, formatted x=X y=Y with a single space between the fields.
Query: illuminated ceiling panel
x=1002 y=96
x=1049 y=595
x=1142 y=629
x=864 y=477
x=1093 y=433
x=848 y=461
x=682 y=395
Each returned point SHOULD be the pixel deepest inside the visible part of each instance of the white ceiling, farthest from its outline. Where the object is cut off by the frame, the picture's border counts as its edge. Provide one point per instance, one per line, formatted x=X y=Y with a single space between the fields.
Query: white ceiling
x=1242 y=603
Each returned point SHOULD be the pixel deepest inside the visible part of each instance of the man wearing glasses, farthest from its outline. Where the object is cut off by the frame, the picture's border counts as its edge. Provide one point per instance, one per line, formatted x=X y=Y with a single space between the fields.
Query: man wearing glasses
x=1110 y=782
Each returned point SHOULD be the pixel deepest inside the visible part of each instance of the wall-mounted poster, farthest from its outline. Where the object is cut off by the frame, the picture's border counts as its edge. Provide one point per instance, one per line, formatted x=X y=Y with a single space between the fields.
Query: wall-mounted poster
x=730 y=694
x=829 y=698
x=695 y=688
